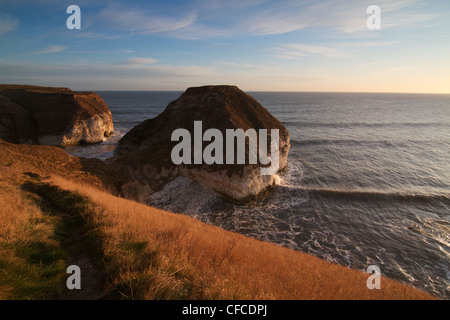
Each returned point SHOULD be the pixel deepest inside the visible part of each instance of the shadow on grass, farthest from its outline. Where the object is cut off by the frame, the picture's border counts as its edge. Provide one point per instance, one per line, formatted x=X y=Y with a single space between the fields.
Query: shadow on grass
x=129 y=267
x=74 y=217
x=73 y=237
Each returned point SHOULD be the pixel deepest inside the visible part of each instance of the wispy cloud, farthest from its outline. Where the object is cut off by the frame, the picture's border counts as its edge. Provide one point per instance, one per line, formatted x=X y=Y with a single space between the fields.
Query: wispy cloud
x=345 y=16
x=335 y=49
x=244 y=66
x=297 y=50
x=367 y=44
x=121 y=73
x=222 y=18
x=51 y=49
x=284 y=16
x=390 y=72
x=140 y=61
x=140 y=21
x=7 y=23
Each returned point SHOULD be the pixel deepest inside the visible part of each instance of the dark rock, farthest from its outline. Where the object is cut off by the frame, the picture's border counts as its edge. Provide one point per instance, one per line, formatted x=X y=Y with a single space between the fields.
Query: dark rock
x=144 y=153
x=52 y=116
x=15 y=123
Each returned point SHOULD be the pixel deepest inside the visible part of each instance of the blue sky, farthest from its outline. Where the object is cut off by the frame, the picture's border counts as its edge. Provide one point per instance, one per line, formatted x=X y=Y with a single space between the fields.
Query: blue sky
x=258 y=45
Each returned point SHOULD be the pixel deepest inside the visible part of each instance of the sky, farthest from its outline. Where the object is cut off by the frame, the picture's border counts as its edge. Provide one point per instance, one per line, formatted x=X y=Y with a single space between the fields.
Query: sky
x=258 y=45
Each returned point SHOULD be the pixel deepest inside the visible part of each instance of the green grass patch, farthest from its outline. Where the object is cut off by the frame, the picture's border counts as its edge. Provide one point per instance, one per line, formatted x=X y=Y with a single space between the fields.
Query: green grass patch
x=34 y=265
x=75 y=230
x=70 y=225
x=33 y=268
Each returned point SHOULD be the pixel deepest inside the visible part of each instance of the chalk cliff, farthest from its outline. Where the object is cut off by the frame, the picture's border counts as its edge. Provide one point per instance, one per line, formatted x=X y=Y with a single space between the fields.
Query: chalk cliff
x=144 y=153
x=52 y=116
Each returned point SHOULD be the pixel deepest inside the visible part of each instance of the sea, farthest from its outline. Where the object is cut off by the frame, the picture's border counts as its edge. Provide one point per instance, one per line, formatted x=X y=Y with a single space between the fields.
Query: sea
x=368 y=180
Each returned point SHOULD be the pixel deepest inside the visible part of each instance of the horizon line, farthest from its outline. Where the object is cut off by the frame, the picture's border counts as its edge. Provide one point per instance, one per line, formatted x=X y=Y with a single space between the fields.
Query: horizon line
x=262 y=91
x=270 y=91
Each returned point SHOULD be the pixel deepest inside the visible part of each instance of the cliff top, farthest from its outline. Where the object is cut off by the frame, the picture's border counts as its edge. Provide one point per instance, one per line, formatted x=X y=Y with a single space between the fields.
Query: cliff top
x=38 y=89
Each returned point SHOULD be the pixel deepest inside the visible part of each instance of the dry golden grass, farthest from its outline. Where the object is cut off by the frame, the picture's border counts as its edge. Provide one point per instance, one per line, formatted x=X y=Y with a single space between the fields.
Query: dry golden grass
x=225 y=265
x=25 y=242
x=153 y=254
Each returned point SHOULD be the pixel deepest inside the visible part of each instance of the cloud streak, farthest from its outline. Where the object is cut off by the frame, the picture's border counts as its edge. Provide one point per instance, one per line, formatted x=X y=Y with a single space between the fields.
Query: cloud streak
x=140 y=61
x=145 y=22
x=335 y=49
x=298 y=50
x=132 y=69
x=348 y=17
x=7 y=23
x=220 y=18
x=51 y=49
x=344 y=16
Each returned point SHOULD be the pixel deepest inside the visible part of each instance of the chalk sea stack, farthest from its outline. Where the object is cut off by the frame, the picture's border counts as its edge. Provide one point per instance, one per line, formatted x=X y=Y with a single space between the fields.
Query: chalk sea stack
x=52 y=116
x=144 y=153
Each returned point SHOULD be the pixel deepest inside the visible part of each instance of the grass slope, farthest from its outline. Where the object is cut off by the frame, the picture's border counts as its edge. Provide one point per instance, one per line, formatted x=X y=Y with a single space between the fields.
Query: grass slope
x=53 y=214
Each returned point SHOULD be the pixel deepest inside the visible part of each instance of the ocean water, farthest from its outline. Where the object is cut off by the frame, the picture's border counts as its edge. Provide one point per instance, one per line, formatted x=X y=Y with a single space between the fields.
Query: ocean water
x=368 y=181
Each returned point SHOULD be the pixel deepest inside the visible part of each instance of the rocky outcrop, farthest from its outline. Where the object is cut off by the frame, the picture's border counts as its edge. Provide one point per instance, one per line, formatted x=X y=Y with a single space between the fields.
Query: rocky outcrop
x=144 y=153
x=16 y=125
x=52 y=116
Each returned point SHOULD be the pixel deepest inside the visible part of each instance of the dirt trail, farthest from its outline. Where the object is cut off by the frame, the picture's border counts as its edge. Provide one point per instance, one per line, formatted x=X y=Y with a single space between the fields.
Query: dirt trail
x=92 y=276
x=75 y=238
x=92 y=281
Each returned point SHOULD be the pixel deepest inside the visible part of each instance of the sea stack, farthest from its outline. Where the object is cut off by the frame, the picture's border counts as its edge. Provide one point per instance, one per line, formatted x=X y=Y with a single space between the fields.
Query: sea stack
x=145 y=153
x=52 y=116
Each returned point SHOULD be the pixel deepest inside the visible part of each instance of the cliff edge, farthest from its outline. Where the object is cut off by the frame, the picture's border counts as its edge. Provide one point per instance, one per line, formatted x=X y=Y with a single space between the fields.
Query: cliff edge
x=52 y=116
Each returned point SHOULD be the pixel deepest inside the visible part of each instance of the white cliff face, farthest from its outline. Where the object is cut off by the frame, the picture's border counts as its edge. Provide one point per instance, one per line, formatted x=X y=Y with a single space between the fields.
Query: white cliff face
x=53 y=116
x=237 y=187
x=92 y=130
